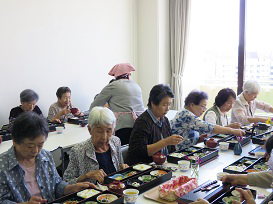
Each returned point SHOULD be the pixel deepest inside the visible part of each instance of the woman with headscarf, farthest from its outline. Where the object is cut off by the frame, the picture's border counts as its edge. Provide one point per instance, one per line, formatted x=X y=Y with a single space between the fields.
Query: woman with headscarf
x=124 y=98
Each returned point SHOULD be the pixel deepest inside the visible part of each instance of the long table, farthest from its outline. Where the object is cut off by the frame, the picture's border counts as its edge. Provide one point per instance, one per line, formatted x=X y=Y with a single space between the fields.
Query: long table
x=210 y=170
x=71 y=135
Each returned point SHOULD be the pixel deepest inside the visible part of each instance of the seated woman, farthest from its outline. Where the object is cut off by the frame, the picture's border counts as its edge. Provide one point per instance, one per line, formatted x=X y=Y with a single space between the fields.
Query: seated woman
x=244 y=108
x=28 y=99
x=217 y=114
x=124 y=98
x=98 y=156
x=151 y=131
x=262 y=179
x=27 y=172
x=188 y=124
x=60 y=110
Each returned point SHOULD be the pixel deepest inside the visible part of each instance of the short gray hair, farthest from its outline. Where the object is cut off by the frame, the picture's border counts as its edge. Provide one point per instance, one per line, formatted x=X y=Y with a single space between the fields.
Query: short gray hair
x=251 y=86
x=101 y=115
x=28 y=95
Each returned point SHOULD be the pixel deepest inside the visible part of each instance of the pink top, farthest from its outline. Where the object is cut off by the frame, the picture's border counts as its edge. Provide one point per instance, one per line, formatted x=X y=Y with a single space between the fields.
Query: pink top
x=242 y=110
x=120 y=69
x=30 y=179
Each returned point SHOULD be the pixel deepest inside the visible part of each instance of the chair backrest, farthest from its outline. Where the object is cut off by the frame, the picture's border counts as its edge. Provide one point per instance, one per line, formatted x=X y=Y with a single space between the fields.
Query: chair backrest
x=58 y=157
x=124 y=151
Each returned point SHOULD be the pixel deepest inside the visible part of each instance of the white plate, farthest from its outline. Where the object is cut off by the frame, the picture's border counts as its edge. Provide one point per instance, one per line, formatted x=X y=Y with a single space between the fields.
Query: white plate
x=142 y=167
x=87 y=193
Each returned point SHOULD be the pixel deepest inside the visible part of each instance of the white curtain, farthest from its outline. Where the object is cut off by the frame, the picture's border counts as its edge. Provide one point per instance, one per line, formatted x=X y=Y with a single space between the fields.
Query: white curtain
x=179 y=30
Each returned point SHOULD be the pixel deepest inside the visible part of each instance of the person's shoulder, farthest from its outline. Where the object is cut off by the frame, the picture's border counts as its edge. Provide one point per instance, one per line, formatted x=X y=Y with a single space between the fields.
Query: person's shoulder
x=80 y=147
x=115 y=139
x=16 y=109
x=53 y=105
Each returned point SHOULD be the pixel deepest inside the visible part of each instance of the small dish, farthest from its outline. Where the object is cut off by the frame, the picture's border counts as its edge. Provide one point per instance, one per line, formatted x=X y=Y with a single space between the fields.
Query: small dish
x=117 y=177
x=106 y=198
x=87 y=193
x=142 y=167
x=235 y=193
x=230 y=199
x=134 y=182
x=178 y=155
x=146 y=178
x=158 y=173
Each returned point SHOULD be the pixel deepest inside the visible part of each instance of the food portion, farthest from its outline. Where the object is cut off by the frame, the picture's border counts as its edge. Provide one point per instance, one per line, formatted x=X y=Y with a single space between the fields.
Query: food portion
x=106 y=198
x=142 y=167
x=178 y=155
x=158 y=173
x=176 y=188
x=146 y=178
x=87 y=193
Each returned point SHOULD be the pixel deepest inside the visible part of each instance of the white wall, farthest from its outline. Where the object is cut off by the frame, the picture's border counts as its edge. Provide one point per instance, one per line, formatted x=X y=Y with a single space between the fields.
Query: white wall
x=153 y=44
x=48 y=44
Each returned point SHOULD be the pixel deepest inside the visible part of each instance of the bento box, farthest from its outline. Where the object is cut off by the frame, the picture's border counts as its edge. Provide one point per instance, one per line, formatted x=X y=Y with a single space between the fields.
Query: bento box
x=90 y=196
x=205 y=154
x=241 y=165
x=78 y=120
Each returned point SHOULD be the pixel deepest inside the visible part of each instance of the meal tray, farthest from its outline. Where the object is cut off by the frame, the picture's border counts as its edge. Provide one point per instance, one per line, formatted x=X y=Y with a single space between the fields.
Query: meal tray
x=257 y=149
x=239 y=161
x=78 y=120
x=52 y=126
x=74 y=197
x=213 y=154
x=244 y=142
x=259 y=139
x=108 y=180
x=6 y=135
x=151 y=184
x=214 y=196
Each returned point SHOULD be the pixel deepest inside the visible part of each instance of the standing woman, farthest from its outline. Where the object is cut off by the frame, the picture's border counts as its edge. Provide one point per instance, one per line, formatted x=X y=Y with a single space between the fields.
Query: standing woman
x=217 y=114
x=246 y=104
x=124 y=98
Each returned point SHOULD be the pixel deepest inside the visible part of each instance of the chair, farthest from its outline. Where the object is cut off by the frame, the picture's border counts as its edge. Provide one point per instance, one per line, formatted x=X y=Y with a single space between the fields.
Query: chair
x=124 y=152
x=58 y=156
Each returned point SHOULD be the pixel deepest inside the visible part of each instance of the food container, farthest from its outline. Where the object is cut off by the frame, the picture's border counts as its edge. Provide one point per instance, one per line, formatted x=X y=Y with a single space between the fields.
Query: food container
x=116 y=186
x=241 y=165
x=159 y=158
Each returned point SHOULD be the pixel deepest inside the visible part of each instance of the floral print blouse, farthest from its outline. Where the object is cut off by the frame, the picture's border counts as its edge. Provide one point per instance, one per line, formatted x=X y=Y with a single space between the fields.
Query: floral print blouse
x=184 y=123
x=82 y=159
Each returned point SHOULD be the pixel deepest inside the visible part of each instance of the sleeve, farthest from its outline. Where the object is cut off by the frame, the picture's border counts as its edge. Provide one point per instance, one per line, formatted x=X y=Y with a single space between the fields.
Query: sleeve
x=52 y=112
x=202 y=126
x=260 y=179
x=103 y=97
x=139 y=139
x=38 y=110
x=240 y=113
x=12 y=117
x=263 y=106
x=71 y=174
x=211 y=117
x=5 y=192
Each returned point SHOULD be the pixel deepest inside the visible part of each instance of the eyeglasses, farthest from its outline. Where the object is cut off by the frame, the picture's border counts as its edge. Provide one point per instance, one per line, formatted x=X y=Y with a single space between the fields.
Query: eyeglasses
x=203 y=107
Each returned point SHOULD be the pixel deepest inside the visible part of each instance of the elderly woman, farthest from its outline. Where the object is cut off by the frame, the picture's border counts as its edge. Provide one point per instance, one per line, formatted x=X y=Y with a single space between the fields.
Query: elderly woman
x=152 y=132
x=60 y=110
x=27 y=172
x=243 y=110
x=124 y=98
x=98 y=156
x=188 y=124
x=217 y=114
x=262 y=179
x=28 y=99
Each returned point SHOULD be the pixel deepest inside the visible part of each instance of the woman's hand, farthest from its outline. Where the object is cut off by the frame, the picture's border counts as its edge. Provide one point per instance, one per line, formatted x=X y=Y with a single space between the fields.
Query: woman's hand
x=200 y=201
x=245 y=195
x=238 y=132
x=77 y=187
x=235 y=125
x=202 y=137
x=64 y=111
x=123 y=166
x=235 y=179
x=35 y=200
x=173 y=140
x=1 y=138
x=96 y=175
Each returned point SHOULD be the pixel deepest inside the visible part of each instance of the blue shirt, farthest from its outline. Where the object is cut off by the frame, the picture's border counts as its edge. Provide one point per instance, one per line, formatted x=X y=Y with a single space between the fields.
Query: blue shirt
x=185 y=123
x=13 y=188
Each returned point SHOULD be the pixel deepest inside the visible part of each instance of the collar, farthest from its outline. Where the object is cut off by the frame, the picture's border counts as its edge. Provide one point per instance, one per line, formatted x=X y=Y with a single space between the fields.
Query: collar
x=91 y=152
x=243 y=100
x=13 y=162
x=155 y=120
x=223 y=114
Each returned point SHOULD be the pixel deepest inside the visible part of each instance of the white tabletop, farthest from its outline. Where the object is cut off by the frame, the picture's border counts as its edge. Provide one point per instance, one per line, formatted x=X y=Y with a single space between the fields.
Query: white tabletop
x=210 y=170
x=71 y=135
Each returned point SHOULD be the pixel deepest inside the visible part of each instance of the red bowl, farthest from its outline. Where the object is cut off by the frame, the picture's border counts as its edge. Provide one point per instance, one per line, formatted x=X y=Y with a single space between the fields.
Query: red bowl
x=74 y=110
x=159 y=158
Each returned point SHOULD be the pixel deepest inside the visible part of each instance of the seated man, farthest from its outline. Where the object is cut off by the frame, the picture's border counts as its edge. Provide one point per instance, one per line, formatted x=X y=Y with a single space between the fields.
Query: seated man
x=28 y=99
x=27 y=172
x=151 y=131
x=98 y=156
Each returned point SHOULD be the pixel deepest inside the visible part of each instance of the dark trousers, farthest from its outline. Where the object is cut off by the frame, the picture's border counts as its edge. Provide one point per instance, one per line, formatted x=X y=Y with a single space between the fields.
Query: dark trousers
x=124 y=135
